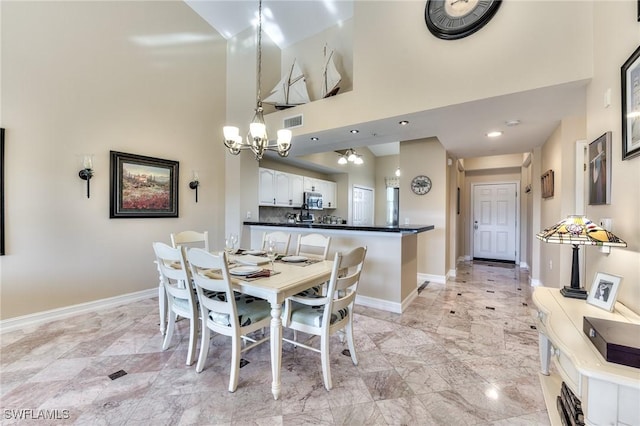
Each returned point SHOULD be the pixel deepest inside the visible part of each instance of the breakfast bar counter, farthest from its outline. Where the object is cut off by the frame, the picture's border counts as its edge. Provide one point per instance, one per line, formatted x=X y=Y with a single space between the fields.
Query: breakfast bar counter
x=390 y=274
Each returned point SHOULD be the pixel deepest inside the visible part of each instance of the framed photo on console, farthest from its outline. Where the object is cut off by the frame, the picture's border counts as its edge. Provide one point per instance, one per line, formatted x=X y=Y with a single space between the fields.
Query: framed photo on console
x=604 y=291
x=143 y=187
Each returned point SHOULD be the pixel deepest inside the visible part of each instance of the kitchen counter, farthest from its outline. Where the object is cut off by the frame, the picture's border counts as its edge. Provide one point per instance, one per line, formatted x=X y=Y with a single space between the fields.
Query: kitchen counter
x=389 y=279
x=403 y=229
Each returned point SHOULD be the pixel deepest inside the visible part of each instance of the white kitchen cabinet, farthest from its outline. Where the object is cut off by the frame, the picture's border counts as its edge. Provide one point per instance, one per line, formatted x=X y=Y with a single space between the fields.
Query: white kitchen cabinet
x=296 y=188
x=279 y=189
x=609 y=392
x=266 y=187
x=311 y=184
x=329 y=194
x=324 y=187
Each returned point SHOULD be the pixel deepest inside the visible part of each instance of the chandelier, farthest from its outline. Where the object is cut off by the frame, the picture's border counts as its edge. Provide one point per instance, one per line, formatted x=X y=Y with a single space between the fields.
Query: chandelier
x=350 y=156
x=257 y=139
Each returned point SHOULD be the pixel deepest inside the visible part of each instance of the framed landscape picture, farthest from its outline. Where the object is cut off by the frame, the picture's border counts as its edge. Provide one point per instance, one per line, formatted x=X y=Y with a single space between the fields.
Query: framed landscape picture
x=143 y=187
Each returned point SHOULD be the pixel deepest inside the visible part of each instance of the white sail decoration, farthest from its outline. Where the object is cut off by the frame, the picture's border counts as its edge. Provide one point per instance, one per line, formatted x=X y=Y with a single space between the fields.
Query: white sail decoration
x=330 y=75
x=290 y=91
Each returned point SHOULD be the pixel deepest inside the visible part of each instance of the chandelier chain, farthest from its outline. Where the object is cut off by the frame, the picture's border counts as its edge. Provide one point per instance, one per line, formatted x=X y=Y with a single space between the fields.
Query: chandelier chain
x=259 y=65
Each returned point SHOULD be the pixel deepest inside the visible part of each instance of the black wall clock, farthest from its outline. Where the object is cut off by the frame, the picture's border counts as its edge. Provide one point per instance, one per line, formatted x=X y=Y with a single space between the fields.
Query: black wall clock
x=454 y=19
x=421 y=185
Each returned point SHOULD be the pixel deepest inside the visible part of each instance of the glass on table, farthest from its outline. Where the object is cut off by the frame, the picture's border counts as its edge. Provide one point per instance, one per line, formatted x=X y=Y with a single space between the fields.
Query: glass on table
x=230 y=244
x=272 y=253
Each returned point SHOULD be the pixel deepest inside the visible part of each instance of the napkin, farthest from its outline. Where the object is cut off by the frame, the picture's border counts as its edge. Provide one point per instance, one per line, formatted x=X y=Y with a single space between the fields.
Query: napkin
x=260 y=273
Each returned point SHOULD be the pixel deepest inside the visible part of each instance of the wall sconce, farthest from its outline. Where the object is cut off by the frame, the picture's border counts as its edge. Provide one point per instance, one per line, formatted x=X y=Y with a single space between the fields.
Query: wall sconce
x=398 y=171
x=87 y=171
x=195 y=183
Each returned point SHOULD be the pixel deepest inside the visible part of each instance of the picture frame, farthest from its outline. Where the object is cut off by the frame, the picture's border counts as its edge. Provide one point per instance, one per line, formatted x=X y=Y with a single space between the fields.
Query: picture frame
x=546 y=181
x=604 y=291
x=600 y=163
x=142 y=187
x=630 y=78
x=2 y=247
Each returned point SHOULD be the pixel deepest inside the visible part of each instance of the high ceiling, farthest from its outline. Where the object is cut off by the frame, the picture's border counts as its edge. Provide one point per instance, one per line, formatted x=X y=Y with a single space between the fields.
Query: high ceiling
x=460 y=128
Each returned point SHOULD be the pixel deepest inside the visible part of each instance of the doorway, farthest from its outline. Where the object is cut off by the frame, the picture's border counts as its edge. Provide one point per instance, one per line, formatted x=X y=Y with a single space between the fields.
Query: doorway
x=362 y=206
x=494 y=222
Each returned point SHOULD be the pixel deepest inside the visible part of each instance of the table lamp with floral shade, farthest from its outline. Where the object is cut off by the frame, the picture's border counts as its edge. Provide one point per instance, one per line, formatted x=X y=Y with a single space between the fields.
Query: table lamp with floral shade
x=578 y=230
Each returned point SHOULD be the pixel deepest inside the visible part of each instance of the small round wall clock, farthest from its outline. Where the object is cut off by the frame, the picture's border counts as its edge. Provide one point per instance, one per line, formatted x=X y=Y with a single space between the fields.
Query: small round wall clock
x=454 y=19
x=421 y=184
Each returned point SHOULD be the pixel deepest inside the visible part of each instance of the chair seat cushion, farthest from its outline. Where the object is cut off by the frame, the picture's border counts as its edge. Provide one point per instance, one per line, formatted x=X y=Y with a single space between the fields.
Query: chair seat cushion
x=312 y=315
x=250 y=310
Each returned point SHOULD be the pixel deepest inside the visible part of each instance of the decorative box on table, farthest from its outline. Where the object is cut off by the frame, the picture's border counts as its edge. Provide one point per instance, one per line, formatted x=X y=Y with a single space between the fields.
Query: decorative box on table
x=618 y=342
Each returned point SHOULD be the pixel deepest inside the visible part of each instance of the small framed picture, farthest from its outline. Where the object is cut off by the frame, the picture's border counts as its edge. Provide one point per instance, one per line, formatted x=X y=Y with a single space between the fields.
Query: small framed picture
x=604 y=291
x=600 y=170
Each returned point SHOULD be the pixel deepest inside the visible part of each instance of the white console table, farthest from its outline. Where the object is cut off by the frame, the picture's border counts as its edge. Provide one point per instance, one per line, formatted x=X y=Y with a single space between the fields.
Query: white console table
x=610 y=393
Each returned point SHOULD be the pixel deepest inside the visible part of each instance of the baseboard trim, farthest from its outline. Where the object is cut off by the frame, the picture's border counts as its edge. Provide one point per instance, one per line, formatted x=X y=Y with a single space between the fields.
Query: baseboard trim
x=441 y=279
x=12 y=324
x=383 y=305
x=535 y=283
x=523 y=265
x=452 y=273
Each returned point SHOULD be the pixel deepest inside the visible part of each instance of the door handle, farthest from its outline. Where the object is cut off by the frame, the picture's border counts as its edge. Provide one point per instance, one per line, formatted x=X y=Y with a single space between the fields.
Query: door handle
x=475 y=224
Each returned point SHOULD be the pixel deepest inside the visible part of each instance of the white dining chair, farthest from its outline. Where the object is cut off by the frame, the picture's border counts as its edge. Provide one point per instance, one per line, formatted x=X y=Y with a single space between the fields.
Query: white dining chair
x=324 y=316
x=282 y=240
x=191 y=239
x=181 y=298
x=313 y=246
x=224 y=311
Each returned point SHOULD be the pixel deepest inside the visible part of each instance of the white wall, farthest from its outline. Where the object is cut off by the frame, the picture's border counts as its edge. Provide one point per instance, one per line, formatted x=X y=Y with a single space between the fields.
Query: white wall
x=401 y=68
x=558 y=155
x=616 y=35
x=74 y=81
x=426 y=157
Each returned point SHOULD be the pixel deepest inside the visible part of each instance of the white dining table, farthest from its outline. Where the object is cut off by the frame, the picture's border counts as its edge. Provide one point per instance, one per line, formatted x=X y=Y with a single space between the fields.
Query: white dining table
x=290 y=279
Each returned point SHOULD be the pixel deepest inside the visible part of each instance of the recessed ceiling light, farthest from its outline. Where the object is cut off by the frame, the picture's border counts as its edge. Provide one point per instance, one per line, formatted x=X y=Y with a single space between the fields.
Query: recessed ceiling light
x=354 y=131
x=314 y=138
x=494 y=134
x=403 y=122
x=512 y=123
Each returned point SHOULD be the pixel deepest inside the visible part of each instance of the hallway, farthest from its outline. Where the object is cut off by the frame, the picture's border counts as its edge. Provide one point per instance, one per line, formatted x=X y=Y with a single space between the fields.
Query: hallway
x=462 y=353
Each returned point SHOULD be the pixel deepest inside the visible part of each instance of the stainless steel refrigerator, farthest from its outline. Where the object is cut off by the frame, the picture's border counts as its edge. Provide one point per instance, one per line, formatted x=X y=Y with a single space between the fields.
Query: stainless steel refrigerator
x=393 y=206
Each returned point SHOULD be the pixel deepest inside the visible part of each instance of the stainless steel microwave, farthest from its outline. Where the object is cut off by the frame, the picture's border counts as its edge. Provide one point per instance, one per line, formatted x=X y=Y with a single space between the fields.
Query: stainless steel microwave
x=313 y=200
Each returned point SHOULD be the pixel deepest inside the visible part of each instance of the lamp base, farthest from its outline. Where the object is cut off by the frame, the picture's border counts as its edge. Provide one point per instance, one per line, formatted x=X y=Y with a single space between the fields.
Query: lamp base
x=574 y=293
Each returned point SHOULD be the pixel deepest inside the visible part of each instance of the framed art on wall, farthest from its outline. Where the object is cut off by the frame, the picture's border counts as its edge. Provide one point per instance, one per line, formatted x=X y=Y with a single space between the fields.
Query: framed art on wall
x=604 y=291
x=631 y=106
x=143 y=187
x=546 y=180
x=2 y=250
x=600 y=170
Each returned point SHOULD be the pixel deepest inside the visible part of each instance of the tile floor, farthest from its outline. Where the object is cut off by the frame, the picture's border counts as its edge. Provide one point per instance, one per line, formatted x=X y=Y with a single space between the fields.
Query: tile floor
x=463 y=353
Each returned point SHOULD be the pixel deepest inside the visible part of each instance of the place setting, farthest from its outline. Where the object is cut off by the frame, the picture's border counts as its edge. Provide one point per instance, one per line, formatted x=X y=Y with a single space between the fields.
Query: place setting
x=297 y=260
x=250 y=272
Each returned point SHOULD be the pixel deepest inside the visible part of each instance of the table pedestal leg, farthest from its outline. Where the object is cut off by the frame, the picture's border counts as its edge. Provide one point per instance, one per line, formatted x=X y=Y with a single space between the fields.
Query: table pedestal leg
x=276 y=347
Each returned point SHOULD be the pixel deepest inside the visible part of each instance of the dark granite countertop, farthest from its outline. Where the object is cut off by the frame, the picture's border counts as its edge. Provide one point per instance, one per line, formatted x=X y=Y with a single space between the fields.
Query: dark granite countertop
x=403 y=229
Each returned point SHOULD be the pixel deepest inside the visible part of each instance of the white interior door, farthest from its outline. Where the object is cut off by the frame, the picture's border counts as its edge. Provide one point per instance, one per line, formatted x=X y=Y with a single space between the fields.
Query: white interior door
x=494 y=221
x=362 y=206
